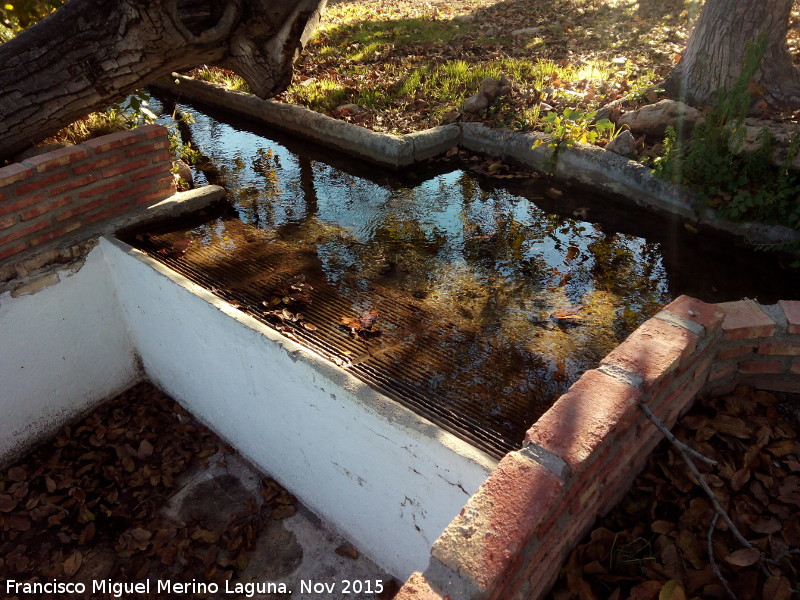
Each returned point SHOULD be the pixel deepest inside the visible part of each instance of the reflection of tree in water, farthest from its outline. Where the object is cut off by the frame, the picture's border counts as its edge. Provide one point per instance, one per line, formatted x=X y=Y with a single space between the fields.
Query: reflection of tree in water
x=488 y=262
x=500 y=276
x=503 y=258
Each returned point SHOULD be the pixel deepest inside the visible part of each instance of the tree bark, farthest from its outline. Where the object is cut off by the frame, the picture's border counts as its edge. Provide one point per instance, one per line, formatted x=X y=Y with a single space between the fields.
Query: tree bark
x=715 y=53
x=90 y=53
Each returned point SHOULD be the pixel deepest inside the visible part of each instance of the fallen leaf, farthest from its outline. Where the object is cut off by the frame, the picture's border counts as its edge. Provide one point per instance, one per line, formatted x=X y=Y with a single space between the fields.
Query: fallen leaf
x=744 y=557
x=777 y=588
x=730 y=426
x=18 y=522
x=766 y=525
x=16 y=474
x=85 y=515
x=692 y=548
x=740 y=478
x=87 y=534
x=73 y=563
x=7 y=503
x=206 y=535
x=347 y=552
x=647 y=590
x=672 y=590
x=128 y=464
x=662 y=527
x=784 y=447
x=145 y=449
x=568 y=313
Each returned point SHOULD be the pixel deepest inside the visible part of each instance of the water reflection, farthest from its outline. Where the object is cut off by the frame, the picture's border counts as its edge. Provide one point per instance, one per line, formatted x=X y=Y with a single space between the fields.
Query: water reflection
x=517 y=300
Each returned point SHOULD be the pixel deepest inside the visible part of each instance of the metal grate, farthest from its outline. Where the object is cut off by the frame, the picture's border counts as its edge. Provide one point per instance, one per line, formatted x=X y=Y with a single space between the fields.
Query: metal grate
x=414 y=360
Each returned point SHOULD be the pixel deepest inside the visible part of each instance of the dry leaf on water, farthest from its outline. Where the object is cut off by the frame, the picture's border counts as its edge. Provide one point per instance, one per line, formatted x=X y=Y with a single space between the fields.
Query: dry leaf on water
x=176 y=249
x=363 y=324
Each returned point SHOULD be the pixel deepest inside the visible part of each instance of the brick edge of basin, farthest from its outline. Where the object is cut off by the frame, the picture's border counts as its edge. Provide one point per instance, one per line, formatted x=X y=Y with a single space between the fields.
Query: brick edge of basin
x=53 y=204
x=580 y=458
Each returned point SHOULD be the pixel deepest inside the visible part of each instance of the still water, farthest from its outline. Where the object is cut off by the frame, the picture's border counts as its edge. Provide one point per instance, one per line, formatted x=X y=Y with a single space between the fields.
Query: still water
x=519 y=286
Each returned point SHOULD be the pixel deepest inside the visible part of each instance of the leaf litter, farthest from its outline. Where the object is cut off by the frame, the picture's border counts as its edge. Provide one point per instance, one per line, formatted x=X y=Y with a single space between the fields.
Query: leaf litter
x=654 y=544
x=94 y=491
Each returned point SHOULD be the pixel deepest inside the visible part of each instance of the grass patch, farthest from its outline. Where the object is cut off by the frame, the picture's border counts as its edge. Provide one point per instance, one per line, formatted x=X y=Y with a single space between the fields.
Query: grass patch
x=91 y=126
x=224 y=77
x=323 y=95
x=413 y=64
x=371 y=40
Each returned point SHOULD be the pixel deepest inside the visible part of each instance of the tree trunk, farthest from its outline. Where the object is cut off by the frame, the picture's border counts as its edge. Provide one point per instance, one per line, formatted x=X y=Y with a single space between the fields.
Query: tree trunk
x=90 y=53
x=714 y=55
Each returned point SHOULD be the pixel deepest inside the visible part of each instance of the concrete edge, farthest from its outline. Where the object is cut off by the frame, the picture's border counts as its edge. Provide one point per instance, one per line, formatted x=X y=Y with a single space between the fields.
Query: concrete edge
x=370 y=399
x=583 y=164
x=383 y=149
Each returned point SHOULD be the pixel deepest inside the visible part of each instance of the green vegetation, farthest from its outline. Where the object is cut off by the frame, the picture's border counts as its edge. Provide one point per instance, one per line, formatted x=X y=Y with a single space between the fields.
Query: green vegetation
x=742 y=186
x=436 y=91
x=90 y=126
x=126 y=114
x=223 y=77
x=572 y=127
x=21 y=14
x=413 y=64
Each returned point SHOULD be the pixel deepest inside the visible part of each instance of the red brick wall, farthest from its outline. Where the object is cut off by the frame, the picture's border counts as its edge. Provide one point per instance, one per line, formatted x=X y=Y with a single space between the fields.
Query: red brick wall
x=580 y=457
x=48 y=196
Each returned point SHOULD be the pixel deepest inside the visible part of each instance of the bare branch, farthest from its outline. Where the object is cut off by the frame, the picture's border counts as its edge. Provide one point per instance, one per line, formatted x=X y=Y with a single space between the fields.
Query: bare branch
x=675 y=441
x=682 y=448
x=713 y=561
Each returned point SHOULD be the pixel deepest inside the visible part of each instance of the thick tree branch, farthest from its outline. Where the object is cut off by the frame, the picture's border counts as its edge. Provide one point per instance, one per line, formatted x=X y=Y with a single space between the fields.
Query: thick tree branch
x=90 y=53
x=213 y=35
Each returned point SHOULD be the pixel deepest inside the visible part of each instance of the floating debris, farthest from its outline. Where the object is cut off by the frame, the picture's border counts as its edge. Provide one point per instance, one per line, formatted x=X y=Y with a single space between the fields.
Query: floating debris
x=177 y=249
x=568 y=314
x=363 y=324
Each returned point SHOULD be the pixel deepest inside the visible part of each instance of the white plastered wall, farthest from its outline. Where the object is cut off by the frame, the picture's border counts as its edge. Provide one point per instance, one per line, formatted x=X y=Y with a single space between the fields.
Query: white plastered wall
x=389 y=480
x=63 y=350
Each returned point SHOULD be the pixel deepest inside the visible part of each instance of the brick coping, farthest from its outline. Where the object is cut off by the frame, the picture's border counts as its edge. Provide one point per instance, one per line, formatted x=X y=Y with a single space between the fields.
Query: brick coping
x=54 y=206
x=51 y=196
x=580 y=457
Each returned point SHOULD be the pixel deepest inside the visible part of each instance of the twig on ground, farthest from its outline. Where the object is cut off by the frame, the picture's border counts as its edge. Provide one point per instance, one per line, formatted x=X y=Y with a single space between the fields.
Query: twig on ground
x=675 y=441
x=712 y=561
x=686 y=455
x=682 y=448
